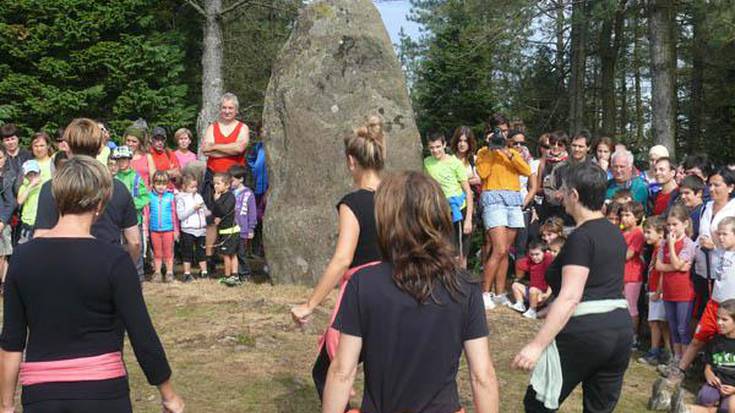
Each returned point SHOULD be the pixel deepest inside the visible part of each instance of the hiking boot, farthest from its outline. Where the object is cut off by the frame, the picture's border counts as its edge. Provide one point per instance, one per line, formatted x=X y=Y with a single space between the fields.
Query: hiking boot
x=169 y=277
x=231 y=281
x=188 y=277
x=677 y=402
x=156 y=277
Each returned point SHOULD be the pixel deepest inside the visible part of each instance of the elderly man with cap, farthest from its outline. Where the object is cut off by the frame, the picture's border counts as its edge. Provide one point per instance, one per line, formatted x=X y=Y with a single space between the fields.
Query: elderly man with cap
x=164 y=159
x=621 y=164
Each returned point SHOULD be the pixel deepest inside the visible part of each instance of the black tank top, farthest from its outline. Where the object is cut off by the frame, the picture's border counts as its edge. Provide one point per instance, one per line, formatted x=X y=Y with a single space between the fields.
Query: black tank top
x=362 y=204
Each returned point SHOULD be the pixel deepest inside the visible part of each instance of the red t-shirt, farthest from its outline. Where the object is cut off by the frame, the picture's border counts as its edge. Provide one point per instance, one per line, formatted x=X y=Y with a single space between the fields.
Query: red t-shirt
x=654 y=276
x=164 y=160
x=661 y=202
x=677 y=285
x=537 y=272
x=634 y=266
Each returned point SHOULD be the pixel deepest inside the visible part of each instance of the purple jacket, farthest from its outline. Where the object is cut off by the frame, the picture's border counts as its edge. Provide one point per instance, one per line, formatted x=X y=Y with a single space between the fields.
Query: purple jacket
x=245 y=211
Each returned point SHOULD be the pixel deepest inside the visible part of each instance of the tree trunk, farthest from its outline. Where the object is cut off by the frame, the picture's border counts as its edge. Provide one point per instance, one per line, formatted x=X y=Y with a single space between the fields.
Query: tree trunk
x=699 y=47
x=578 y=58
x=559 y=58
x=609 y=47
x=623 y=118
x=639 y=121
x=663 y=86
x=212 y=58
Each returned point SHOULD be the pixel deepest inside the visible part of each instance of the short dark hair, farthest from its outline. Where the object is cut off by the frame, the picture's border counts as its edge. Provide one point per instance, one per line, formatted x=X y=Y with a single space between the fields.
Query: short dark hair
x=497 y=119
x=728 y=175
x=656 y=222
x=8 y=130
x=692 y=182
x=669 y=161
x=559 y=136
x=434 y=136
x=238 y=171
x=699 y=161
x=584 y=134
x=590 y=182
x=225 y=176
x=635 y=208
x=536 y=245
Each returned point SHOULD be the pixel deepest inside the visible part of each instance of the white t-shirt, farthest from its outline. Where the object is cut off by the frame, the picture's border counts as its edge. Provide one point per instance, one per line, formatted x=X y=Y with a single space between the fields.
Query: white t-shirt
x=708 y=227
x=534 y=164
x=723 y=271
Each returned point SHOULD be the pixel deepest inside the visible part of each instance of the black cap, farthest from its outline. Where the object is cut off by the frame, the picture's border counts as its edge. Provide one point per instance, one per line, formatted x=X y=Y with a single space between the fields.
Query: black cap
x=158 y=132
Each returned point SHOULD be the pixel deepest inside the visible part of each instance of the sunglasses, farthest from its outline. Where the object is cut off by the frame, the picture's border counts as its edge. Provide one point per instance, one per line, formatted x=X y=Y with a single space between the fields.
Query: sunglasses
x=519 y=143
x=544 y=146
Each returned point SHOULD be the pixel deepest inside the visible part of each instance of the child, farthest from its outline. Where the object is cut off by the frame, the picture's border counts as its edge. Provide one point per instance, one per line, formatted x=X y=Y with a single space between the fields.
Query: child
x=164 y=226
x=630 y=216
x=228 y=233
x=28 y=198
x=182 y=137
x=674 y=261
x=552 y=229
x=653 y=231
x=612 y=213
x=121 y=156
x=623 y=196
x=246 y=217
x=555 y=246
x=718 y=372
x=535 y=265
x=193 y=215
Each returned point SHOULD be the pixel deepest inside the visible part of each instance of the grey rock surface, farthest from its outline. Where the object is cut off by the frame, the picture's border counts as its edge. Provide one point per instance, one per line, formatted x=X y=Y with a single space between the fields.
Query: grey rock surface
x=337 y=68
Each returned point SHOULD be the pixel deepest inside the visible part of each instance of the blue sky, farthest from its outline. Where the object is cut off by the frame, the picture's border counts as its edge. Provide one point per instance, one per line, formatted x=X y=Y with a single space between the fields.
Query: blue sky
x=394 y=14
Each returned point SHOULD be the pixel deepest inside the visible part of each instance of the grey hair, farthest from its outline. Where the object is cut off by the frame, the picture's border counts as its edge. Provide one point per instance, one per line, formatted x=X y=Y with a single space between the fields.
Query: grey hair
x=628 y=155
x=230 y=97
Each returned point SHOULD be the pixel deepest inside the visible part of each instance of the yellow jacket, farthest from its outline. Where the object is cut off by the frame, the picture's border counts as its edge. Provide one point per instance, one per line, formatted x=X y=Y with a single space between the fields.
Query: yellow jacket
x=500 y=172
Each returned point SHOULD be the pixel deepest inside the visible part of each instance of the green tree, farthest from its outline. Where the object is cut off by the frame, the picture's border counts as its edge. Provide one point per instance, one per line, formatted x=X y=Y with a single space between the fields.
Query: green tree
x=112 y=60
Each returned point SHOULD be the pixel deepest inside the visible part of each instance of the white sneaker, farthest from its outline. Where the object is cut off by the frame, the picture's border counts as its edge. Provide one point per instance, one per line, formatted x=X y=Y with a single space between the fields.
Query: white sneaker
x=531 y=313
x=501 y=299
x=487 y=299
x=518 y=306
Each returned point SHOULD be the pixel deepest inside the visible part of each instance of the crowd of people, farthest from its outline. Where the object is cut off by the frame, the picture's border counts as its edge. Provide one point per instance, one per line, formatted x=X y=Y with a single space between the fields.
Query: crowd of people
x=578 y=235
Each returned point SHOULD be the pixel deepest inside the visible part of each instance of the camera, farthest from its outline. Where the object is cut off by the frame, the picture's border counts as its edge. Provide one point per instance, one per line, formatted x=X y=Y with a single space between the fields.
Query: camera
x=497 y=140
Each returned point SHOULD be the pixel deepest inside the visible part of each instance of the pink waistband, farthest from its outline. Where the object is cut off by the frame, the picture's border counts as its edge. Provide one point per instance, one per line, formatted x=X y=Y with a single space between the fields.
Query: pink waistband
x=102 y=367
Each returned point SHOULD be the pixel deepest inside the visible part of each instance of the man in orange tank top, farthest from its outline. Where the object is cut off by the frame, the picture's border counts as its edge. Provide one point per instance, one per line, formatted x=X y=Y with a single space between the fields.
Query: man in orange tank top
x=224 y=144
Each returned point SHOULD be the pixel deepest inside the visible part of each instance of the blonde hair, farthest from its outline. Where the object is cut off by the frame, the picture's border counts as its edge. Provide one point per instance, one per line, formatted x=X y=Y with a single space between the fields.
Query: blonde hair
x=80 y=185
x=180 y=132
x=367 y=145
x=84 y=137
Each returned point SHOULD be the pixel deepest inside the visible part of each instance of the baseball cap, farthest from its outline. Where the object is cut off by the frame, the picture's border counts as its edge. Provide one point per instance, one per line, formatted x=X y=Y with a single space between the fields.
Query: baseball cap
x=158 y=133
x=31 y=166
x=122 y=152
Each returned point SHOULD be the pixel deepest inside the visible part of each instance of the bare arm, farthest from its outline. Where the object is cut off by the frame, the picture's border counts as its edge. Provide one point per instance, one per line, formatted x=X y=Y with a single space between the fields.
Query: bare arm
x=532 y=189
x=574 y=278
x=10 y=368
x=470 y=207
x=629 y=253
x=341 y=374
x=151 y=166
x=349 y=231
x=132 y=236
x=219 y=150
x=482 y=375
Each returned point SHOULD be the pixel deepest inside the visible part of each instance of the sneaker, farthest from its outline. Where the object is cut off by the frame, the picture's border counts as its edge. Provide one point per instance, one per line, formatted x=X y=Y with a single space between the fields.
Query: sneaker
x=651 y=358
x=635 y=346
x=188 y=277
x=487 y=299
x=156 y=277
x=501 y=299
x=169 y=277
x=231 y=281
x=530 y=313
x=203 y=274
x=518 y=306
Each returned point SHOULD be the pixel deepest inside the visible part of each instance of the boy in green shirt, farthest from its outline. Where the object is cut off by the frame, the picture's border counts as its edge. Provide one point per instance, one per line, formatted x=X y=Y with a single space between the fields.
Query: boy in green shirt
x=122 y=155
x=28 y=199
x=451 y=175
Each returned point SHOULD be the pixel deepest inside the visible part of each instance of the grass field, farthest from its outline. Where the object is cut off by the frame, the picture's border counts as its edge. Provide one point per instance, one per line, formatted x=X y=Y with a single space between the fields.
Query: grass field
x=236 y=350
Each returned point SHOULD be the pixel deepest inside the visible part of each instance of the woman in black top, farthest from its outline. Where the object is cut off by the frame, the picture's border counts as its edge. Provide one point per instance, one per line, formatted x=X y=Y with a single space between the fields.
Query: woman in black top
x=410 y=317
x=73 y=297
x=357 y=242
x=588 y=325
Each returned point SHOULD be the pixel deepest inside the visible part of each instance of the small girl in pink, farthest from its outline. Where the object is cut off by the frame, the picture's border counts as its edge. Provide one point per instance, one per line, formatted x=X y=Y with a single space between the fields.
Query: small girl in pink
x=630 y=216
x=182 y=137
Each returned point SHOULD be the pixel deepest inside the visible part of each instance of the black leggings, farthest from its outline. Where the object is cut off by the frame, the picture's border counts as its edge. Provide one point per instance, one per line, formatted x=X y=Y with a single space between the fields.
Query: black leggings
x=598 y=360
x=121 y=405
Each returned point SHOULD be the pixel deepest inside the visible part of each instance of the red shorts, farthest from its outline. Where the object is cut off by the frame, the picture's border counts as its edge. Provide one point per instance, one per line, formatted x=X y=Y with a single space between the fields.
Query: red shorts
x=707 y=327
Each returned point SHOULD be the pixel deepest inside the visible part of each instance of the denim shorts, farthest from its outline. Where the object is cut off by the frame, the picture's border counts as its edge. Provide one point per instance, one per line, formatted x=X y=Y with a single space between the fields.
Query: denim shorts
x=502 y=209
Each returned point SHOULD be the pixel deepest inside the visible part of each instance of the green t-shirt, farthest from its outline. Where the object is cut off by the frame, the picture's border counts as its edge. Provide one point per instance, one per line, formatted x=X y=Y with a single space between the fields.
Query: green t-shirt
x=30 y=207
x=449 y=172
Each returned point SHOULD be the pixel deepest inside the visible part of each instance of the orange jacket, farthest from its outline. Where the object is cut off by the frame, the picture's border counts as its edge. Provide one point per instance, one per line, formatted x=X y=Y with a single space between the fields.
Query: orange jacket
x=500 y=172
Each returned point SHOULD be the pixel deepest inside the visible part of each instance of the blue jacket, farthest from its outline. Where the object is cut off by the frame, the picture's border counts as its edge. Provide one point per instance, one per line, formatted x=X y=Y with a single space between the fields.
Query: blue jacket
x=256 y=161
x=163 y=211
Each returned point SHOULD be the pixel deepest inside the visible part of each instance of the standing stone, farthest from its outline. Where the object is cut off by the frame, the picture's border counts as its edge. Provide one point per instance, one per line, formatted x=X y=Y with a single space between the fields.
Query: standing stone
x=337 y=68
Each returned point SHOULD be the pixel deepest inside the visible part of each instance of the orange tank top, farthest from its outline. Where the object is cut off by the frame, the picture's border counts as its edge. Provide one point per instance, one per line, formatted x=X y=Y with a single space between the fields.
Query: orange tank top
x=223 y=164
